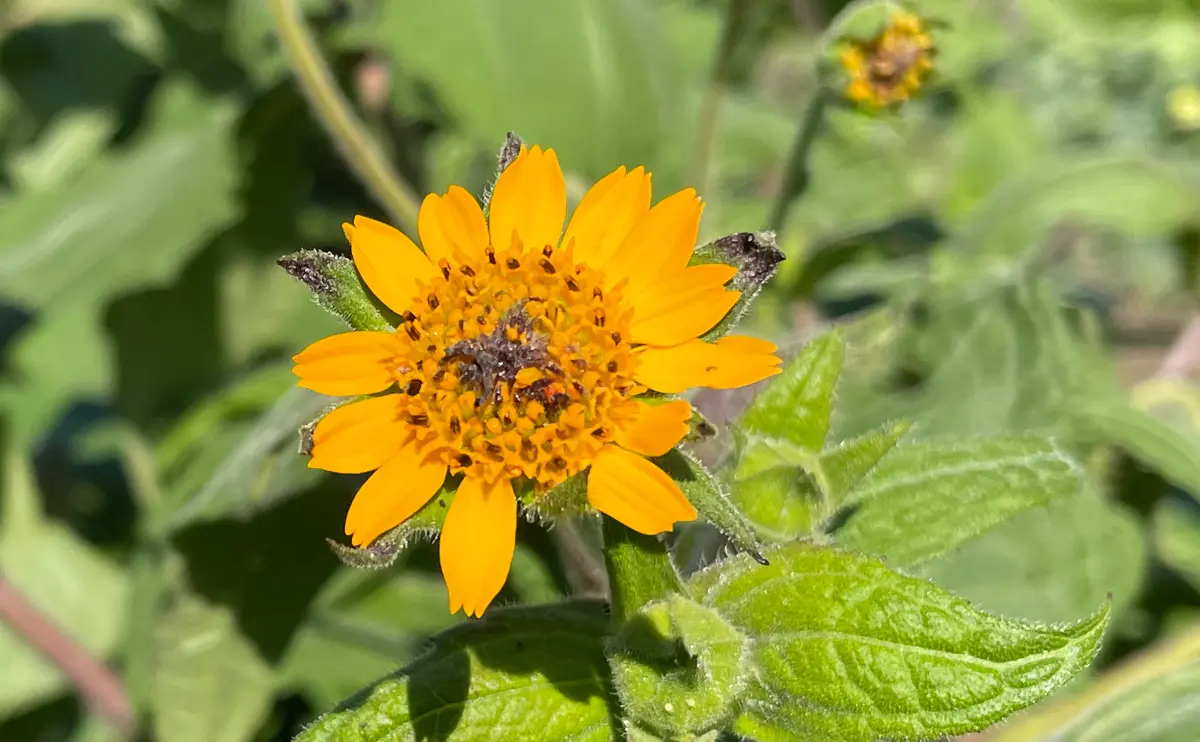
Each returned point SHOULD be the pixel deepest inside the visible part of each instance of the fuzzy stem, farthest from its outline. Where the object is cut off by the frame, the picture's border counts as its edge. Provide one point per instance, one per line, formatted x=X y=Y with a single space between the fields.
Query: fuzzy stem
x=639 y=569
x=795 y=174
x=362 y=153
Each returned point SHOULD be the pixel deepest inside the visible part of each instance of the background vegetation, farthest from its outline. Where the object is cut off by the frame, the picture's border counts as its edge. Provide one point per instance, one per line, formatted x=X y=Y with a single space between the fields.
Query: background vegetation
x=1018 y=249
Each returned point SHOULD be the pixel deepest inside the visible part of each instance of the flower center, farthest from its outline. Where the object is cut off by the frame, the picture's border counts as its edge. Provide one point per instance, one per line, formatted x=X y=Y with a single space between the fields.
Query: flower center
x=514 y=364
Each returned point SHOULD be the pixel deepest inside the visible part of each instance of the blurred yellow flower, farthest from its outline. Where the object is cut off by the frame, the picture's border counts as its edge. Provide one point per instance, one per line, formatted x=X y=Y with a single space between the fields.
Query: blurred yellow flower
x=890 y=67
x=1183 y=106
x=521 y=356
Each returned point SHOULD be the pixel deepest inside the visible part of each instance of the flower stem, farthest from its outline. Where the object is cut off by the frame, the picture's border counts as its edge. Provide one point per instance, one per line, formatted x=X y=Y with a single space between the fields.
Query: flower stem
x=639 y=569
x=734 y=24
x=795 y=173
x=348 y=132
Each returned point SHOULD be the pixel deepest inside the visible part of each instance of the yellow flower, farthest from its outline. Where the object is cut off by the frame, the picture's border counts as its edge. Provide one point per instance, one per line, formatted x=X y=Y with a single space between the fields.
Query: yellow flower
x=521 y=355
x=891 y=67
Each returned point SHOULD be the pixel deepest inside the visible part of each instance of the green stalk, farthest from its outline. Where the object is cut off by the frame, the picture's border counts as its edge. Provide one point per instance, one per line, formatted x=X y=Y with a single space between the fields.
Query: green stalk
x=639 y=569
x=795 y=174
x=362 y=153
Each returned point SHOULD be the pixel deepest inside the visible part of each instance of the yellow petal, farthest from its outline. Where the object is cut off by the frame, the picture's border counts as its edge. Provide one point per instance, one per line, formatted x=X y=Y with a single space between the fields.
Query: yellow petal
x=477 y=544
x=393 y=493
x=729 y=363
x=682 y=307
x=452 y=226
x=660 y=243
x=607 y=214
x=348 y=364
x=360 y=436
x=654 y=429
x=529 y=201
x=389 y=263
x=634 y=491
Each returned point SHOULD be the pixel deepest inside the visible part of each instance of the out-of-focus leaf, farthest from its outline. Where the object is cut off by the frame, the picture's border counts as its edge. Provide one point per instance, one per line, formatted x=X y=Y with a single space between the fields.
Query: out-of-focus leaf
x=65 y=578
x=614 y=98
x=1136 y=195
x=264 y=465
x=927 y=498
x=130 y=219
x=68 y=145
x=845 y=649
x=1177 y=538
x=1161 y=427
x=535 y=674
x=1049 y=564
x=361 y=629
x=209 y=682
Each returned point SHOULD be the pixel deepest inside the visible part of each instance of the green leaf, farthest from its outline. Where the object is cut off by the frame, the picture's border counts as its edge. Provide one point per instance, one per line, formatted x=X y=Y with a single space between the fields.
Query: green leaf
x=75 y=586
x=675 y=692
x=1051 y=564
x=839 y=471
x=129 y=219
x=262 y=465
x=546 y=663
x=335 y=283
x=1176 y=531
x=209 y=682
x=756 y=258
x=781 y=503
x=928 y=498
x=710 y=499
x=615 y=93
x=796 y=405
x=846 y=649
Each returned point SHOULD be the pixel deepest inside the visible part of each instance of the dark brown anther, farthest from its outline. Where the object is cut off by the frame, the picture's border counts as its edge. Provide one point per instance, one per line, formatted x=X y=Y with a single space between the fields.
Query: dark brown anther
x=481 y=320
x=547 y=266
x=616 y=338
x=439 y=375
x=579 y=363
x=413 y=388
x=612 y=367
x=417 y=419
x=432 y=300
x=462 y=325
x=495 y=451
x=512 y=264
x=572 y=284
x=413 y=332
x=597 y=293
x=464 y=460
x=455 y=426
x=407 y=317
x=548 y=250
x=445 y=267
x=491 y=254
x=558 y=463
x=598 y=317
x=528 y=451
x=578 y=387
x=467 y=271
x=600 y=433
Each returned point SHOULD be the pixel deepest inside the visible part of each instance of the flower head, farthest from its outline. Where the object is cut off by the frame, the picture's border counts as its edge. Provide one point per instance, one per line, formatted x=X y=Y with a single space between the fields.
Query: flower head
x=890 y=67
x=523 y=356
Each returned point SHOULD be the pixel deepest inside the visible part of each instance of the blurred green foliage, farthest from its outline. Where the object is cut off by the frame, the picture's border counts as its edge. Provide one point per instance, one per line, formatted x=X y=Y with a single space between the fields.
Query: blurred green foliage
x=1016 y=250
